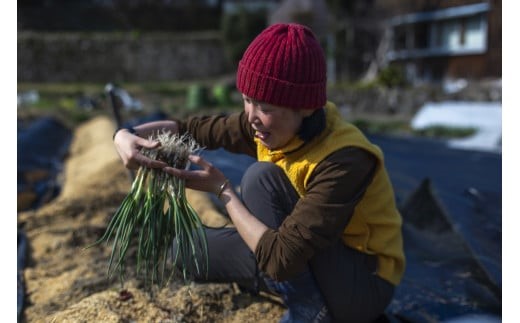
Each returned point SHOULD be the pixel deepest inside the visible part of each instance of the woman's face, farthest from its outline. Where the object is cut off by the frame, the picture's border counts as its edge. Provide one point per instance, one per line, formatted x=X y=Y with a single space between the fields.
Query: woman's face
x=275 y=126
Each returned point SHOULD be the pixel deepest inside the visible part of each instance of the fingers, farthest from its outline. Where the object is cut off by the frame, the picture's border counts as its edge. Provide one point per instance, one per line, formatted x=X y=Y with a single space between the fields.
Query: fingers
x=150 y=163
x=136 y=159
x=191 y=174
x=198 y=160
x=180 y=173
x=208 y=179
x=194 y=179
x=147 y=143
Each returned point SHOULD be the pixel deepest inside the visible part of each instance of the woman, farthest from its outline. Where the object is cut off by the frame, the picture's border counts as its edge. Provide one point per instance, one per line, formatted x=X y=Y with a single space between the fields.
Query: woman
x=316 y=222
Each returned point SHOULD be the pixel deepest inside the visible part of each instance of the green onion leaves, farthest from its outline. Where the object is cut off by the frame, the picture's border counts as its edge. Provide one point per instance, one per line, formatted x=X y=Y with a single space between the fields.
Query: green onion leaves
x=155 y=214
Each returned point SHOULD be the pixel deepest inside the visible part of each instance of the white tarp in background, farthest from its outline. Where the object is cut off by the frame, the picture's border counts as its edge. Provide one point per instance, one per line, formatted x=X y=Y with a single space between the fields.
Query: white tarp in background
x=486 y=117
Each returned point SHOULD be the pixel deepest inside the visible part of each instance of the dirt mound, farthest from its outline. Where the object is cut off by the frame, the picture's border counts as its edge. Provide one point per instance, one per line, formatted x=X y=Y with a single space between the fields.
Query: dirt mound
x=66 y=283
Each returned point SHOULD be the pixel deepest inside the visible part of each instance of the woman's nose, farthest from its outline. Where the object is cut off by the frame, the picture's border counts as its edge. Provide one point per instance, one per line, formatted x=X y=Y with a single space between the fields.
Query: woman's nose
x=250 y=111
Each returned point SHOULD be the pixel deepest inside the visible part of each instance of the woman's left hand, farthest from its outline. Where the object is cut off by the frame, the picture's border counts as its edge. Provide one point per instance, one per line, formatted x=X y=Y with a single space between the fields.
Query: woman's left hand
x=207 y=179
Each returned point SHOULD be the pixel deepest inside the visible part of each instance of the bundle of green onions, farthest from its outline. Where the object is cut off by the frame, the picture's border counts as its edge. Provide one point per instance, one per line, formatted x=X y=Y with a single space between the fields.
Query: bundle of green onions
x=155 y=213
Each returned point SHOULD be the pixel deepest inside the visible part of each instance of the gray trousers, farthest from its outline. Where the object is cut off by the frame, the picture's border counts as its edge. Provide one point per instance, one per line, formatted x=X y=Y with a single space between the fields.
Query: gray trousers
x=352 y=292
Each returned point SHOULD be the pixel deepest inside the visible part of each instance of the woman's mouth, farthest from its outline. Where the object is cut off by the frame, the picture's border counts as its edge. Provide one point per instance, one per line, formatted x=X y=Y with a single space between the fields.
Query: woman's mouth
x=261 y=135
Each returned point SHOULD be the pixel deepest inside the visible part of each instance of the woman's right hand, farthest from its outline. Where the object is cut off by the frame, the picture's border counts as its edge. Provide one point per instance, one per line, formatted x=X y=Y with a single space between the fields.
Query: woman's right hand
x=128 y=147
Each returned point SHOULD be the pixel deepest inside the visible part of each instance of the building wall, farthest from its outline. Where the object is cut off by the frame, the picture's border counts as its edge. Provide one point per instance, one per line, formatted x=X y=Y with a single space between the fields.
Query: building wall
x=436 y=68
x=122 y=57
x=494 y=55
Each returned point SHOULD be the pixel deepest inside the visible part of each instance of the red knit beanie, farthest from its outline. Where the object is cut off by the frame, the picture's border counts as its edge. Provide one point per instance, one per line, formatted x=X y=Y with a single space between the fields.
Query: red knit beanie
x=285 y=66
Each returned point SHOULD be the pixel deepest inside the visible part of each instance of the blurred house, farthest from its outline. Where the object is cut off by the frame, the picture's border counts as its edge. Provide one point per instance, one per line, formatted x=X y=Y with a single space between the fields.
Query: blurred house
x=452 y=39
x=439 y=40
x=431 y=40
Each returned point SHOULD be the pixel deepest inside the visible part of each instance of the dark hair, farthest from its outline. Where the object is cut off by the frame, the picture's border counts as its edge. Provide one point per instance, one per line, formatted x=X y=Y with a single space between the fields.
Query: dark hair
x=312 y=125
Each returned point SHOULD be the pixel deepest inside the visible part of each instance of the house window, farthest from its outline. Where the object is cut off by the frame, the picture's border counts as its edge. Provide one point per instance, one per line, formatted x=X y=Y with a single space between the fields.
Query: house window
x=450 y=34
x=476 y=33
x=459 y=35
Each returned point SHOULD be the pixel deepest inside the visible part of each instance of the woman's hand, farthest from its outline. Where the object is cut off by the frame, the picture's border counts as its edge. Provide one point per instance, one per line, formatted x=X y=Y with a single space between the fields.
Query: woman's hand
x=208 y=179
x=128 y=147
x=211 y=179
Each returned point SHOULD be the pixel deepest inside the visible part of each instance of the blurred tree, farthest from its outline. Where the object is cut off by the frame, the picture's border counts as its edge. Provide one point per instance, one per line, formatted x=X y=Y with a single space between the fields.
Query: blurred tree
x=239 y=29
x=341 y=8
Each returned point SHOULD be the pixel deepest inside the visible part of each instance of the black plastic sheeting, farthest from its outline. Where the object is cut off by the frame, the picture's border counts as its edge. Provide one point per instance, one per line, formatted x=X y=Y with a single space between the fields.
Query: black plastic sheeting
x=41 y=145
x=452 y=216
x=451 y=202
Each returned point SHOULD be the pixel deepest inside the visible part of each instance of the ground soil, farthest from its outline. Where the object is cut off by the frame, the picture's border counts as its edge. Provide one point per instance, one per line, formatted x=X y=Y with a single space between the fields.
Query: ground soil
x=64 y=282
